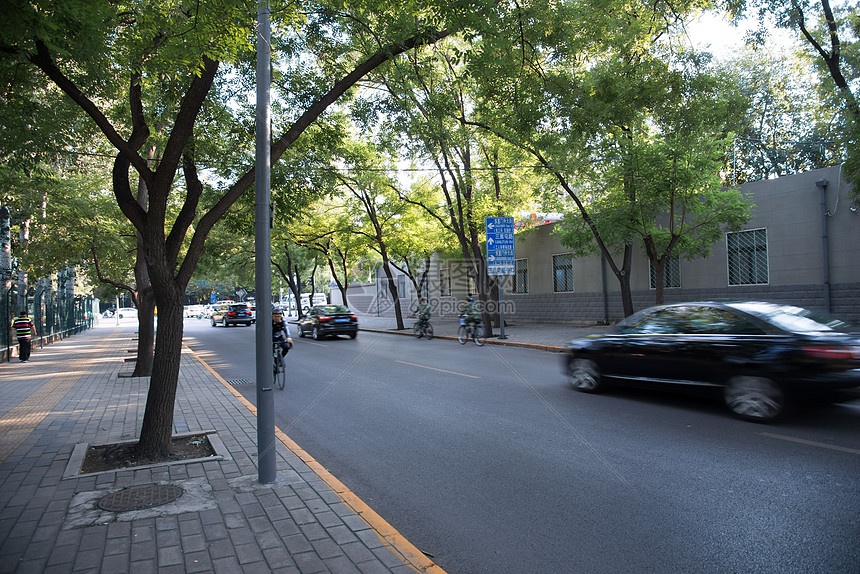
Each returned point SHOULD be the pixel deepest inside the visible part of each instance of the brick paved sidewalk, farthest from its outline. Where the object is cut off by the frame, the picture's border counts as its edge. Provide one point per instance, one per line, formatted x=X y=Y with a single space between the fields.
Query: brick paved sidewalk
x=71 y=393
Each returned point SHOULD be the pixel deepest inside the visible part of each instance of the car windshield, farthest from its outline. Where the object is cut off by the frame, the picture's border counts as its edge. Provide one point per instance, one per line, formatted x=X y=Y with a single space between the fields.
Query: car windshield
x=238 y=307
x=794 y=319
x=333 y=309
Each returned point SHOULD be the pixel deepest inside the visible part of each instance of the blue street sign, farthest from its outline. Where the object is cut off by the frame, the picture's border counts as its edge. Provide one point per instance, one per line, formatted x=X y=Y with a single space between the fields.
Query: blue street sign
x=500 y=245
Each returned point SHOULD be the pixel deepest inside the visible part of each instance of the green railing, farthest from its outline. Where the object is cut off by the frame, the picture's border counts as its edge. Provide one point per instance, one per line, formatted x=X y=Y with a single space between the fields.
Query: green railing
x=55 y=316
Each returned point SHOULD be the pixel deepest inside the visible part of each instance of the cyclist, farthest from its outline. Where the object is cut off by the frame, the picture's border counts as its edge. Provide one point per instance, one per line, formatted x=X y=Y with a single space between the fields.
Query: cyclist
x=423 y=313
x=471 y=312
x=281 y=333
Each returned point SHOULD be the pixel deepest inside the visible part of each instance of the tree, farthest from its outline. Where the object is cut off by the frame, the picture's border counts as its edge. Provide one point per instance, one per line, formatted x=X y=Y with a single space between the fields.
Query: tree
x=575 y=98
x=418 y=237
x=789 y=127
x=158 y=65
x=372 y=195
x=831 y=37
x=664 y=183
x=330 y=232
x=427 y=107
x=293 y=263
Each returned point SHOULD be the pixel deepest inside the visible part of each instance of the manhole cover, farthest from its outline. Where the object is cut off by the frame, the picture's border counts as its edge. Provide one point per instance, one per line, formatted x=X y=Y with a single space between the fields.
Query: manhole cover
x=140 y=497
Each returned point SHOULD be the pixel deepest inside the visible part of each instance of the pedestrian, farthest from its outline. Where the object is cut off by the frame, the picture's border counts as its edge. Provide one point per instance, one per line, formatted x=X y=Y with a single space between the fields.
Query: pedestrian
x=24 y=330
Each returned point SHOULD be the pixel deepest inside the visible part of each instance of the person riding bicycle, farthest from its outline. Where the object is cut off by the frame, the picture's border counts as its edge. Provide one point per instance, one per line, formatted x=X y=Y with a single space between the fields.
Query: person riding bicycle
x=281 y=333
x=471 y=312
x=423 y=313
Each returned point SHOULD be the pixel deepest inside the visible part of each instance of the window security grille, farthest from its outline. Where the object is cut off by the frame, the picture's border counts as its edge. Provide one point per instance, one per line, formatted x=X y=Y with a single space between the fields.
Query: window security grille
x=747 y=257
x=671 y=273
x=521 y=279
x=562 y=272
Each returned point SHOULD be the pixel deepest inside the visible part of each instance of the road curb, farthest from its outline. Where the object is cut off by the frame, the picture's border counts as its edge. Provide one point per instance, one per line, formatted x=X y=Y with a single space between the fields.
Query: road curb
x=537 y=346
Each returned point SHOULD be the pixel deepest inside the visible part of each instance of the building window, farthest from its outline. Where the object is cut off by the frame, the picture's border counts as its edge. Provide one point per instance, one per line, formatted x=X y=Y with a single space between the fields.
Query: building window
x=671 y=273
x=471 y=286
x=521 y=277
x=562 y=273
x=747 y=257
x=444 y=283
x=401 y=286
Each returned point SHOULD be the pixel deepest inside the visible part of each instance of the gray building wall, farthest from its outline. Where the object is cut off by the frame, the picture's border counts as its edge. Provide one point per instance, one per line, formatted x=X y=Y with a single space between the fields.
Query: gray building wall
x=788 y=208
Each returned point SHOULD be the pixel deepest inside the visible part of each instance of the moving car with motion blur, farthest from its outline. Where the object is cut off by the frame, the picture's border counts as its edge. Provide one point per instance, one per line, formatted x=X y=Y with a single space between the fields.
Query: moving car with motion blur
x=327 y=320
x=760 y=357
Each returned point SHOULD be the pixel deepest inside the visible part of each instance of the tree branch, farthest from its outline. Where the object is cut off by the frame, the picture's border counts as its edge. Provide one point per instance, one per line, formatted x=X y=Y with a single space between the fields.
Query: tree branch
x=43 y=60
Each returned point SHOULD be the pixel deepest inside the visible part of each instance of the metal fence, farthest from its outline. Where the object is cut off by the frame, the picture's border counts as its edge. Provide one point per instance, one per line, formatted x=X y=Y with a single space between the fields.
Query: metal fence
x=55 y=316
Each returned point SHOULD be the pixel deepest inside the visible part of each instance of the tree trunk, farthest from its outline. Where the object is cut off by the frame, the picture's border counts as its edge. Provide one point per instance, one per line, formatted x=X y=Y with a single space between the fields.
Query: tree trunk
x=145 y=333
x=392 y=289
x=157 y=429
x=659 y=277
x=145 y=296
x=624 y=280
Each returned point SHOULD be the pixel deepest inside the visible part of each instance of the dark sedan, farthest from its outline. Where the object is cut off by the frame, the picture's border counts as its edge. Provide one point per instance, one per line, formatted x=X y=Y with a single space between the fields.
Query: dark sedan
x=231 y=314
x=325 y=320
x=760 y=356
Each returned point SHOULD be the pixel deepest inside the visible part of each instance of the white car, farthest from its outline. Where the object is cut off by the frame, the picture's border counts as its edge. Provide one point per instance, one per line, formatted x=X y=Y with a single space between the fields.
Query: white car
x=193 y=311
x=126 y=313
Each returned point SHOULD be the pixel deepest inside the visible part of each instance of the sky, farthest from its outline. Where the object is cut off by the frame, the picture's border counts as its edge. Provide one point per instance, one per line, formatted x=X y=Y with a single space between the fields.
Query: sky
x=712 y=32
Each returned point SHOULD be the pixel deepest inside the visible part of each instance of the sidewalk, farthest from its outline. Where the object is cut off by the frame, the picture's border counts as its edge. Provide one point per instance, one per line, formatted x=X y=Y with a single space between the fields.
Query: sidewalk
x=71 y=394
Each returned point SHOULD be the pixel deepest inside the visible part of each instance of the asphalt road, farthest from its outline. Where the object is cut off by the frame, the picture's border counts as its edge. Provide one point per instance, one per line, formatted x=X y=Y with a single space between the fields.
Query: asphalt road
x=485 y=459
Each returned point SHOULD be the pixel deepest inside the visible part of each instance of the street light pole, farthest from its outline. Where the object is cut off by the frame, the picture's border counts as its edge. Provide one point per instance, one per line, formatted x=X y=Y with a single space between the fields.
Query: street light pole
x=266 y=454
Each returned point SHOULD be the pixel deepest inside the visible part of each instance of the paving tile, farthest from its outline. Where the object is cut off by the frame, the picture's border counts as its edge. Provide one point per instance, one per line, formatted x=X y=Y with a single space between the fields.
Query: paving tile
x=341 y=565
x=194 y=543
x=116 y=564
x=170 y=556
x=299 y=526
x=197 y=562
x=248 y=553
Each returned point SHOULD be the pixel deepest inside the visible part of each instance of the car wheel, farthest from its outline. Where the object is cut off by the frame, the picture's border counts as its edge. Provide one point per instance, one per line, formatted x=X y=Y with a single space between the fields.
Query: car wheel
x=301 y=332
x=756 y=399
x=316 y=334
x=353 y=335
x=224 y=322
x=212 y=321
x=584 y=375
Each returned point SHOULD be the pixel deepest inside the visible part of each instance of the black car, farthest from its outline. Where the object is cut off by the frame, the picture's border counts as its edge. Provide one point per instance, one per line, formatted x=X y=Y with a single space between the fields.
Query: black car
x=325 y=320
x=231 y=314
x=759 y=356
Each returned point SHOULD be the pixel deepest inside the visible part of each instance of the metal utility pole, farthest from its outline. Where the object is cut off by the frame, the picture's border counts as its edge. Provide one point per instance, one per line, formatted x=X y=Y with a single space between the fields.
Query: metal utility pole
x=266 y=454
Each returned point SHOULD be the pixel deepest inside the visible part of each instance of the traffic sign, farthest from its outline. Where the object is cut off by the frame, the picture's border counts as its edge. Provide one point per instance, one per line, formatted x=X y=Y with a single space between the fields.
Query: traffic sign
x=500 y=245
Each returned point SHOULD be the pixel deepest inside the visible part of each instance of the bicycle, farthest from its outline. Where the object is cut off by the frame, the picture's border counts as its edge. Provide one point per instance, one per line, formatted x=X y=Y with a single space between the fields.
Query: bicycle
x=423 y=330
x=280 y=371
x=469 y=331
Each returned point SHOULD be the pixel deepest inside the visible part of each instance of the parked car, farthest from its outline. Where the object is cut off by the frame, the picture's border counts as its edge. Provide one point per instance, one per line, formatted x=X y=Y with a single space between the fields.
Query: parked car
x=126 y=313
x=193 y=311
x=326 y=320
x=761 y=357
x=318 y=301
x=231 y=314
